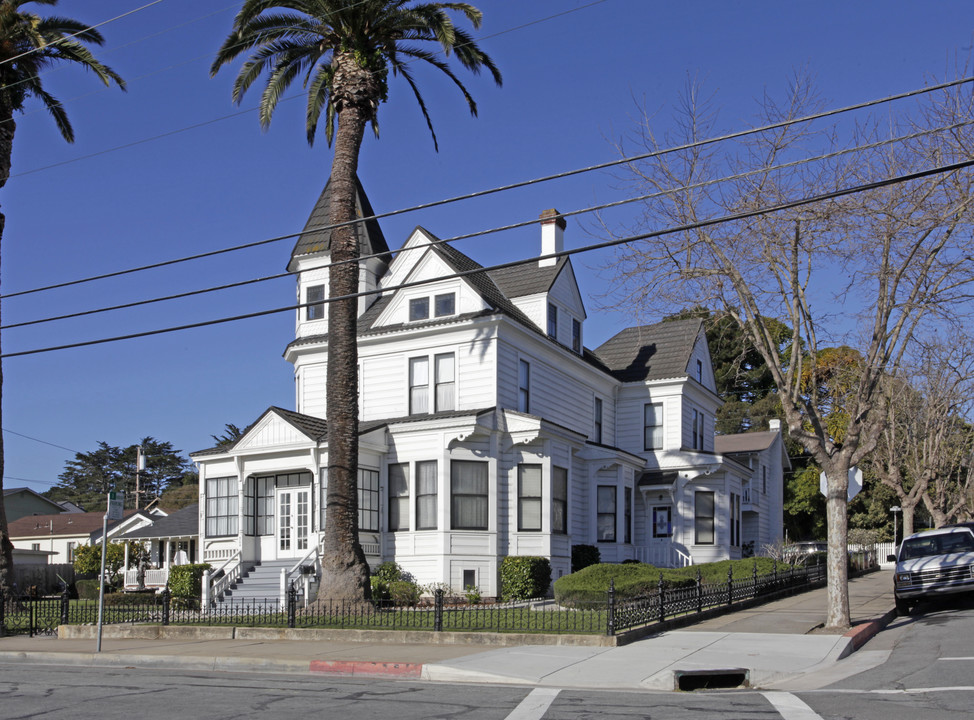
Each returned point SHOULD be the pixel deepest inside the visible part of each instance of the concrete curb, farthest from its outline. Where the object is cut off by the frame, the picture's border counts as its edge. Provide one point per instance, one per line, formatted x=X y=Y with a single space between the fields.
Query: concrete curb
x=863 y=632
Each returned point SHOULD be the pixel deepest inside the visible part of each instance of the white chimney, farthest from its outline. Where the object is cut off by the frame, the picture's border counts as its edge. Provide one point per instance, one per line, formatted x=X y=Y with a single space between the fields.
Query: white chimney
x=552 y=236
x=774 y=425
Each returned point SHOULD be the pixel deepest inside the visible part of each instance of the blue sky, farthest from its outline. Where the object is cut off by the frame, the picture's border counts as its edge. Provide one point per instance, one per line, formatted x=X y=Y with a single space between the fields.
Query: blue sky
x=574 y=73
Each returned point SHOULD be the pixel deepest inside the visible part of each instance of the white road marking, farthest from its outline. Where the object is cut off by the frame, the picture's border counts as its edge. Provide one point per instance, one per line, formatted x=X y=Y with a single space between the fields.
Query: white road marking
x=534 y=706
x=957 y=658
x=790 y=707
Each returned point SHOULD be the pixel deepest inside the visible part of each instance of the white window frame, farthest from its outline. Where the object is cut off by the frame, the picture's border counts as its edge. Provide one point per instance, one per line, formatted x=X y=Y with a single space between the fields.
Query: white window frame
x=523 y=385
x=658 y=412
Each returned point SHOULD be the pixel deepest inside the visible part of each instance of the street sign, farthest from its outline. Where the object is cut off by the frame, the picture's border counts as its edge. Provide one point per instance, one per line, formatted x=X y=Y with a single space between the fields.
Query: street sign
x=855 y=483
x=116 y=503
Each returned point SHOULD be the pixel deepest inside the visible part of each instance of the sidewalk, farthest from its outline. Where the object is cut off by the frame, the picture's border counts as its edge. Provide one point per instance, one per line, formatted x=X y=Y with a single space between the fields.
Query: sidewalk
x=766 y=645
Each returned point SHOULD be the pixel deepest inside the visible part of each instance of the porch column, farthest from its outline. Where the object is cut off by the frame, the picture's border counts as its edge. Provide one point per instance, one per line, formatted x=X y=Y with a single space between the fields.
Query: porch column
x=168 y=554
x=126 y=556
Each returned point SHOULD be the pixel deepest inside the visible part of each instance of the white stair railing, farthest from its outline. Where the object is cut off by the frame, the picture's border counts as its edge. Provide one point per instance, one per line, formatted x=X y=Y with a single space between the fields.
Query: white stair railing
x=312 y=559
x=213 y=590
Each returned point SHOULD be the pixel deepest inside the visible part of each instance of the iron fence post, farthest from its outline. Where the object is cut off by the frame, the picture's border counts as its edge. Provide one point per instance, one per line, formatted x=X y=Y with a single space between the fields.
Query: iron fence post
x=730 y=584
x=754 y=580
x=32 y=615
x=438 y=610
x=292 y=605
x=65 y=605
x=662 y=600
x=165 y=606
x=610 y=628
x=699 y=592
x=3 y=610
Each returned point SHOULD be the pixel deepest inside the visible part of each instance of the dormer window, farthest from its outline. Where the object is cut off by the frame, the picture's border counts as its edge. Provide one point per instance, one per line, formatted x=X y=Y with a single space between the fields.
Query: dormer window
x=576 y=336
x=419 y=309
x=552 y=321
x=700 y=372
x=315 y=297
x=445 y=304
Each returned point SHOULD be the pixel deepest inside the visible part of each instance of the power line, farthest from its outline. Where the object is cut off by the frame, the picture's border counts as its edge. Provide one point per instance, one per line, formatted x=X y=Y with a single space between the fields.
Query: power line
x=80 y=32
x=496 y=189
x=511 y=226
x=733 y=217
x=43 y=442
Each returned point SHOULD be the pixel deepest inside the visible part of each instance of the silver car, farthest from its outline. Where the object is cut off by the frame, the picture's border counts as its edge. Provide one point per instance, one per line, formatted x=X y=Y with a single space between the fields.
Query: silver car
x=933 y=563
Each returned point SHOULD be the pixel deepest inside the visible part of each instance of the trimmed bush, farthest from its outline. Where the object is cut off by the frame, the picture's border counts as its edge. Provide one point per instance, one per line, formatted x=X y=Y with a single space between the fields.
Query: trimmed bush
x=185 y=581
x=87 y=589
x=388 y=572
x=404 y=593
x=524 y=576
x=139 y=598
x=585 y=555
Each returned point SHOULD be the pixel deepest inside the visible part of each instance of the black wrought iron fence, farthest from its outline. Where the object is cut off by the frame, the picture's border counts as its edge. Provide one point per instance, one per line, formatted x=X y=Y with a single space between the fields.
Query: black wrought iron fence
x=610 y=616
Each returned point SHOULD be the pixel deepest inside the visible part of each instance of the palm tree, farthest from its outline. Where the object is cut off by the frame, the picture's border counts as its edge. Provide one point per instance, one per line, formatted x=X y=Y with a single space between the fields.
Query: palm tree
x=29 y=45
x=343 y=52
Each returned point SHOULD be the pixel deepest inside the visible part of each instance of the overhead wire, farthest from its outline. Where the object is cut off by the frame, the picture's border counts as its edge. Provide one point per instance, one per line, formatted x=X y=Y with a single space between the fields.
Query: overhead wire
x=505 y=228
x=732 y=217
x=501 y=188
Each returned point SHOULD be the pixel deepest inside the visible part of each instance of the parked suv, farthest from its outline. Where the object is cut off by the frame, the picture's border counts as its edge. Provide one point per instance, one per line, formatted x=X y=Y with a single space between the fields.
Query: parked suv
x=933 y=563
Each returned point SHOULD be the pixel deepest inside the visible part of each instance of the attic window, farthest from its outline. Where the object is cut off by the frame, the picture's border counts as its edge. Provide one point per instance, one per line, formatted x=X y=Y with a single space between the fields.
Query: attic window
x=445 y=304
x=315 y=296
x=419 y=309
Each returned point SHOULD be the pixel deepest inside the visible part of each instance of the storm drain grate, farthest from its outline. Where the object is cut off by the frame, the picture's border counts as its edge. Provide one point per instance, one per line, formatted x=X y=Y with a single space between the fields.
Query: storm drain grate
x=689 y=680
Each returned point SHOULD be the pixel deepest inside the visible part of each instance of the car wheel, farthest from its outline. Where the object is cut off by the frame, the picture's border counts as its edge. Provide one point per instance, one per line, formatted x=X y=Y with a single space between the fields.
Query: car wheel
x=903 y=607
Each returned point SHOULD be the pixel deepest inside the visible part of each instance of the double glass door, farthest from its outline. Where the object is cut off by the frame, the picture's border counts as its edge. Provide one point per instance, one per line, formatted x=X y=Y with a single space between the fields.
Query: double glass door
x=293 y=514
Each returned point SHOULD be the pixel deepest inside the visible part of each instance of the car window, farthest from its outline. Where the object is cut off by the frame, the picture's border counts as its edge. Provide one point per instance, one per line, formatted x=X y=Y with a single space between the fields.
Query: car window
x=919 y=547
x=958 y=543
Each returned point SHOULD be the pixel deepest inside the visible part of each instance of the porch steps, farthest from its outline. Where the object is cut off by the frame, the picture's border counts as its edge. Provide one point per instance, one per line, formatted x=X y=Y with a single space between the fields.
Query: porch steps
x=261 y=582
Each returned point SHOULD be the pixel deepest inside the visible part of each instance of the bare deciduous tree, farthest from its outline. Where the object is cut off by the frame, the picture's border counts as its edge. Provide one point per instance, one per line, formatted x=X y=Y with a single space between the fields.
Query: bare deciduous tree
x=864 y=270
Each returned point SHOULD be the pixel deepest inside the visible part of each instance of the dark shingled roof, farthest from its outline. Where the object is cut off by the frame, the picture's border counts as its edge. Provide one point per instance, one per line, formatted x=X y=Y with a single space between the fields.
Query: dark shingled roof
x=63 y=524
x=527 y=278
x=182 y=523
x=651 y=352
x=654 y=478
x=312 y=240
x=744 y=442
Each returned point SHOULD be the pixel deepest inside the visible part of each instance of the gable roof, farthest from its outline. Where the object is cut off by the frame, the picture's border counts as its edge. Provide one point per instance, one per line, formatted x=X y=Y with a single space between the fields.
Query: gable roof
x=651 y=352
x=182 y=523
x=10 y=492
x=527 y=278
x=315 y=240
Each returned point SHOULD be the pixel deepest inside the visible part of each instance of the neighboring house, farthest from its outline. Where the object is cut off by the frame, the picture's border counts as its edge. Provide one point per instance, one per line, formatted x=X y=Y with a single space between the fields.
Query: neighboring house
x=170 y=540
x=61 y=533
x=487 y=428
x=21 y=502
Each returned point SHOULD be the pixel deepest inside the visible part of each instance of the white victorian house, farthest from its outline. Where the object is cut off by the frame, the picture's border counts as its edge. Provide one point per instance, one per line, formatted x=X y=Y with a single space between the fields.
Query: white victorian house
x=488 y=429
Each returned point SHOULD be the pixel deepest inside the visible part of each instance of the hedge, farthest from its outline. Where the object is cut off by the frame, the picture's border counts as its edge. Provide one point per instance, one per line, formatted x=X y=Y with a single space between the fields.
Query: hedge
x=186 y=581
x=524 y=576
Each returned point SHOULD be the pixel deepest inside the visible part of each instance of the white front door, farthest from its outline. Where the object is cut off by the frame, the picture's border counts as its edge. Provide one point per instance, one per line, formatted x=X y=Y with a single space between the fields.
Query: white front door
x=293 y=507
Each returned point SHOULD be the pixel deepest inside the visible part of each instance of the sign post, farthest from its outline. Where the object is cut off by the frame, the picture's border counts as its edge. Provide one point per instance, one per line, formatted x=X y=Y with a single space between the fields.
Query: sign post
x=116 y=501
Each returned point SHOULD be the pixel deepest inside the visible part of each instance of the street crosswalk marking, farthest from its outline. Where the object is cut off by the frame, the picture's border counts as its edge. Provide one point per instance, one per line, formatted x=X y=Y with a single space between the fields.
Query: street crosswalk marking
x=535 y=705
x=790 y=707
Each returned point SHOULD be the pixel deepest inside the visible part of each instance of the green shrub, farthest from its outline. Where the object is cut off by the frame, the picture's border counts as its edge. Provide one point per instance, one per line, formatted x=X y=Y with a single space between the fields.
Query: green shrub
x=524 y=576
x=472 y=594
x=185 y=581
x=140 y=598
x=404 y=593
x=388 y=572
x=585 y=555
x=380 y=590
x=87 y=589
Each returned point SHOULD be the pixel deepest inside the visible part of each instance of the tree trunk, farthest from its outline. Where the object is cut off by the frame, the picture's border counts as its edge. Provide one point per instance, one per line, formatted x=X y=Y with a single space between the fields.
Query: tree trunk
x=7 y=128
x=909 y=511
x=345 y=571
x=837 y=561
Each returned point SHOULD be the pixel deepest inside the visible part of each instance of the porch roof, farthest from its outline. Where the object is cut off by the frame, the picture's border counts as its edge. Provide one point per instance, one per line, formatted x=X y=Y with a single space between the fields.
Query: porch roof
x=657 y=478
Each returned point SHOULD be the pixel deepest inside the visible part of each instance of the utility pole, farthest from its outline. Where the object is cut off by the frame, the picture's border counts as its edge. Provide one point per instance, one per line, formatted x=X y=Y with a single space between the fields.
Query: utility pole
x=139 y=466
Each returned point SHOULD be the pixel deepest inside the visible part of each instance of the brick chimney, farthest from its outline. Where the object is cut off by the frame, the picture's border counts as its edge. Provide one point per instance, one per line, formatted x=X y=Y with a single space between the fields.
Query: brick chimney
x=552 y=236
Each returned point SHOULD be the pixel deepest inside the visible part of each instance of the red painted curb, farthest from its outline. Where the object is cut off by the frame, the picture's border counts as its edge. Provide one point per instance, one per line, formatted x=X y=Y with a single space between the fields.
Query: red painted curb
x=864 y=632
x=363 y=667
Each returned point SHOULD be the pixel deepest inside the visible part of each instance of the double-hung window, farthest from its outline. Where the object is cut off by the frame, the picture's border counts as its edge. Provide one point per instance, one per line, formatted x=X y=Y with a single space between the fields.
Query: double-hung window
x=559 y=500
x=221 y=506
x=529 y=498
x=419 y=385
x=445 y=380
x=552 y=321
x=577 y=335
x=399 y=496
x=606 y=521
x=469 y=495
x=426 y=495
x=653 y=426
x=524 y=386
x=368 y=500
x=627 y=493
x=598 y=420
x=703 y=518
x=315 y=297
x=697 y=430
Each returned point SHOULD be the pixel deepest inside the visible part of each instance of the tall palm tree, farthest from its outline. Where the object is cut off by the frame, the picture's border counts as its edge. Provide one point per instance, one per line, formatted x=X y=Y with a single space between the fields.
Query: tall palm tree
x=29 y=45
x=343 y=52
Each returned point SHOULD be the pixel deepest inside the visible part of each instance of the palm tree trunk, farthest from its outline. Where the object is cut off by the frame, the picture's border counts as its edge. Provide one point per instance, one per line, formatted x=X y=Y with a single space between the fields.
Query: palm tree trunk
x=7 y=128
x=345 y=571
